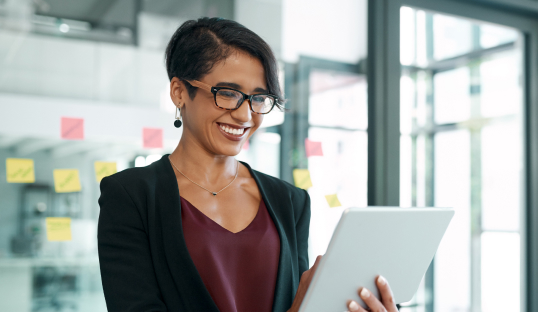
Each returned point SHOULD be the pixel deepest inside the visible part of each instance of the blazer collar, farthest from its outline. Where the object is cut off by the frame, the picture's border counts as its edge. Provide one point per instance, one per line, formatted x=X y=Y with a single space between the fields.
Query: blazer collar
x=184 y=273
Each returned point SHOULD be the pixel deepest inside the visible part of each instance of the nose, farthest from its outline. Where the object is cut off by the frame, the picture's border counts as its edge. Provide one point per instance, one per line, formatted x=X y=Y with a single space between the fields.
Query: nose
x=243 y=113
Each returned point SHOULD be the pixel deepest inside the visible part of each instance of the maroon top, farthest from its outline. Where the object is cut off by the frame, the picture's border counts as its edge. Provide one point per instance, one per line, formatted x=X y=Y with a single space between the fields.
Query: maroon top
x=238 y=269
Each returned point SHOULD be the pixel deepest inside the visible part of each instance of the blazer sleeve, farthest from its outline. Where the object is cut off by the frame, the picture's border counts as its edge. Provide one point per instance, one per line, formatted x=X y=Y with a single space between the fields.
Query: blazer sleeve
x=127 y=273
x=302 y=230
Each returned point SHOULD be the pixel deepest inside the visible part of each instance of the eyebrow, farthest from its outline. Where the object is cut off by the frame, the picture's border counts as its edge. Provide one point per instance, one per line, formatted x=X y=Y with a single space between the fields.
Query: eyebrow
x=236 y=86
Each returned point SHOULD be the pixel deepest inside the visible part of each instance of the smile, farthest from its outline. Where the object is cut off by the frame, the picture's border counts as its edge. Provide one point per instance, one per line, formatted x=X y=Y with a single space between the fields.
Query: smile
x=231 y=130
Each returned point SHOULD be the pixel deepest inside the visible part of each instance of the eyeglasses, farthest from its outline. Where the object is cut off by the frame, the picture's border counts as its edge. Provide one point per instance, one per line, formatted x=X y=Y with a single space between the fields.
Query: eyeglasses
x=231 y=99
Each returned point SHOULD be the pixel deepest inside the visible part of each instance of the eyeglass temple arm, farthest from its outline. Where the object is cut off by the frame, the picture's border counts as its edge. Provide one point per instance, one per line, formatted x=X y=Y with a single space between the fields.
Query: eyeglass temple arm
x=199 y=84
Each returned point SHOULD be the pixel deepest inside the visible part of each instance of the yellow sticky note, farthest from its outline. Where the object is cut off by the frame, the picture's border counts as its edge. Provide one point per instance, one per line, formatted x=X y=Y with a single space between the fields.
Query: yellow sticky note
x=302 y=178
x=66 y=180
x=333 y=200
x=19 y=170
x=104 y=169
x=58 y=229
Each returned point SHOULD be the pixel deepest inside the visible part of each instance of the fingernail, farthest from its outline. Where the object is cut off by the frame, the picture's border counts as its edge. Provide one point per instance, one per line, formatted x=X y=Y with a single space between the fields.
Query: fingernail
x=365 y=293
x=353 y=306
x=381 y=281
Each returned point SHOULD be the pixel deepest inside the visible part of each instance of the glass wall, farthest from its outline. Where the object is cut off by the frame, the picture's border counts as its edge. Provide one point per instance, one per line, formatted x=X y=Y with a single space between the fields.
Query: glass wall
x=461 y=147
x=84 y=93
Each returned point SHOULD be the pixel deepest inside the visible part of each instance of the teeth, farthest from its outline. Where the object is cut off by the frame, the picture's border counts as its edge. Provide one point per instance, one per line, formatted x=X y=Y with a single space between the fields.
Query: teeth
x=232 y=130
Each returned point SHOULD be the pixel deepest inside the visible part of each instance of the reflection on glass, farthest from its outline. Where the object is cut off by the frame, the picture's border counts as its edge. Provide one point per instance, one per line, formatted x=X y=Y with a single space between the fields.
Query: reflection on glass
x=338 y=100
x=343 y=171
x=338 y=118
x=452 y=189
x=500 y=272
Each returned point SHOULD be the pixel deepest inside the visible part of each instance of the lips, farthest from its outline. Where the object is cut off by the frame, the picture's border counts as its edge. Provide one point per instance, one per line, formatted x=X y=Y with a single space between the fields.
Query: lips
x=233 y=132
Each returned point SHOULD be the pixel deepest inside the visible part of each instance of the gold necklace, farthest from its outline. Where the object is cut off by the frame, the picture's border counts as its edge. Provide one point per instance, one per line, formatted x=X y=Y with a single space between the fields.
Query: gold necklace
x=214 y=193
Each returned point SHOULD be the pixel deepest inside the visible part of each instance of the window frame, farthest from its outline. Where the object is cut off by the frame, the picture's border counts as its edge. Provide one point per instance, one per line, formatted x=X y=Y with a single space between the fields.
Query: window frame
x=384 y=71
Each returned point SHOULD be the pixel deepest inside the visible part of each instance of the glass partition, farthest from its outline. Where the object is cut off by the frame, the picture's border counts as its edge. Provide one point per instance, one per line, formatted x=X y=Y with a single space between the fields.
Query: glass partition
x=85 y=91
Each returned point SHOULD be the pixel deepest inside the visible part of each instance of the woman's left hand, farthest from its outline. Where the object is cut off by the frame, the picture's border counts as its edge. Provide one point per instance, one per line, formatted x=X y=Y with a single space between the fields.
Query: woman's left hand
x=385 y=305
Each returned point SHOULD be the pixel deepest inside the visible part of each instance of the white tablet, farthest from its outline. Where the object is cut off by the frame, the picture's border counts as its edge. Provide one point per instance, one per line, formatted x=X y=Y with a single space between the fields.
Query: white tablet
x=398 y=243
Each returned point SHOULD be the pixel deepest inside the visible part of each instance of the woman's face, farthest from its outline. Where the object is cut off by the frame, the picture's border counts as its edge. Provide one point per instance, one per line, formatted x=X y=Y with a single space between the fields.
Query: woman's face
x=209 y=125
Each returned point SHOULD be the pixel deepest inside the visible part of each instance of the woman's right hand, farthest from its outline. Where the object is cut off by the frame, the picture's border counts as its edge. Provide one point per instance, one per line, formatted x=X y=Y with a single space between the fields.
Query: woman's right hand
x=306 y=278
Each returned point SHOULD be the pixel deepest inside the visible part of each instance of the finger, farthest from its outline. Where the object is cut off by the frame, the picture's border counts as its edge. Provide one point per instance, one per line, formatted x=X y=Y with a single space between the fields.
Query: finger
x=386 y=294
x=372 y=302
x=315 y=266
x=353 y=306
x=307 y=275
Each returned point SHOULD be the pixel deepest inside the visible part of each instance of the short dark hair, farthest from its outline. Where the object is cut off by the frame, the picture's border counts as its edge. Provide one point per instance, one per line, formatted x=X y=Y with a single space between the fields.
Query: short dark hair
x=197 y=45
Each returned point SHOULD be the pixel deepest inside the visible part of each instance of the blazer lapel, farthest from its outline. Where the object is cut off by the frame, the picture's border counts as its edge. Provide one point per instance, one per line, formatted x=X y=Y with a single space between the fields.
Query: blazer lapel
x=283 y=288
x=188 y=282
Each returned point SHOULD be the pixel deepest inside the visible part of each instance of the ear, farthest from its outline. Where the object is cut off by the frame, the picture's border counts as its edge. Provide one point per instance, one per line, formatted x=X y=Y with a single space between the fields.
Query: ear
x=178 y=92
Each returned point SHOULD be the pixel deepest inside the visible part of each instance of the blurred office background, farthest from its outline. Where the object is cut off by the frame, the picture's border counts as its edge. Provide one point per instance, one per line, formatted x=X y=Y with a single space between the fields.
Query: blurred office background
x=454 y=130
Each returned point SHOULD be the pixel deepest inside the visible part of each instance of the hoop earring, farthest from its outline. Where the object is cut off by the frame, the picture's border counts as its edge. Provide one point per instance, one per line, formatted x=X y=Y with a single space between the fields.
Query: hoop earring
x=177 y=122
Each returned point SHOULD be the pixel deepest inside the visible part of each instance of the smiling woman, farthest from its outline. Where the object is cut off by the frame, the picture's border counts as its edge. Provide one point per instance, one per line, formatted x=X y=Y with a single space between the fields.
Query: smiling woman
x=198 y=230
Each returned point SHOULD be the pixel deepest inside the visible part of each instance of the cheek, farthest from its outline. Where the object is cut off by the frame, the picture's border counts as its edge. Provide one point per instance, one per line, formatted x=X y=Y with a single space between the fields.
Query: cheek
x=257 y=119
x=201 y=117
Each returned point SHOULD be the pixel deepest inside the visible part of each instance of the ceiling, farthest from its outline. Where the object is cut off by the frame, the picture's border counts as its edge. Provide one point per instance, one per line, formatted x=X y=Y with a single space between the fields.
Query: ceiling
x=124 y=12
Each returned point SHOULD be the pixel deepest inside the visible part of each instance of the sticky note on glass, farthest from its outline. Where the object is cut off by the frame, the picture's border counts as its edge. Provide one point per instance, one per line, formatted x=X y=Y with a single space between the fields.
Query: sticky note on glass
x=66 y=180
x=58 y=229
x=313 y=148
x=246 y=145
x=333 y=200
x=72 y=128
x=104 y=169
x=302 y=179
x=19 y=170
x=152 y=137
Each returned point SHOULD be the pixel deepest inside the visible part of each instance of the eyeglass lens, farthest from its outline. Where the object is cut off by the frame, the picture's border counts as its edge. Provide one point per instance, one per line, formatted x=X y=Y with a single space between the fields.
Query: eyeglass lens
x=231 y=99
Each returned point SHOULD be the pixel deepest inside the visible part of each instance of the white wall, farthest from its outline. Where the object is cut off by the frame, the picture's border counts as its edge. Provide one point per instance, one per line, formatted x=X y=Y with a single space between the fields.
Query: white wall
x=334 y=30
x=264 y=17
x=81 y=69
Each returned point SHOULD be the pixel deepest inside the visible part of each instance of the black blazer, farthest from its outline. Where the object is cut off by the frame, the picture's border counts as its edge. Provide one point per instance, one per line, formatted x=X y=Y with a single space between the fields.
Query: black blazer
x=145 y=264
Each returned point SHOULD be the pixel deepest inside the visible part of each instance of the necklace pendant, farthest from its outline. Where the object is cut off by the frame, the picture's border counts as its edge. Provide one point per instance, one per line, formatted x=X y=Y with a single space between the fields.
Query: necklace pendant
x=214 y=194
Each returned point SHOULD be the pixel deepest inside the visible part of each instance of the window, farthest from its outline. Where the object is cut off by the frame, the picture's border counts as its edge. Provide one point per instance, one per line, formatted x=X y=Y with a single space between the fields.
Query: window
x=461 y=134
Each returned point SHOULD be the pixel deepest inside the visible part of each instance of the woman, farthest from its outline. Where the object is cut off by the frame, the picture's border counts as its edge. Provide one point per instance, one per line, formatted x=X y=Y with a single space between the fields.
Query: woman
x=198 y=230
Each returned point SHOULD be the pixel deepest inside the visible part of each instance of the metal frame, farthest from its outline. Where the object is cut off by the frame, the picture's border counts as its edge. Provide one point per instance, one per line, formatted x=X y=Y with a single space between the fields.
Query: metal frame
x=384 y=90
x=295 y=126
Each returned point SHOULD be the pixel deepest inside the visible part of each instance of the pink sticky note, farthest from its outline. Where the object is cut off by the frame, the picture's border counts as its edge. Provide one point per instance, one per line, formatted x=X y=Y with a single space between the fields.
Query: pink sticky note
x=152 y=137
x=313 y=148
x=246 y=145
x=72 y=128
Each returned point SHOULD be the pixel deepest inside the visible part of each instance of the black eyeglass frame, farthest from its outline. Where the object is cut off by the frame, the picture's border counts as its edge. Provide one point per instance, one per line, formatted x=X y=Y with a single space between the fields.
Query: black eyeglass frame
x=214 y=90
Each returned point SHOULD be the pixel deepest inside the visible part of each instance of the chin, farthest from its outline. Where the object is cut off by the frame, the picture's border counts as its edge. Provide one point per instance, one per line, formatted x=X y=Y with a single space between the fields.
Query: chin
x=230 y=150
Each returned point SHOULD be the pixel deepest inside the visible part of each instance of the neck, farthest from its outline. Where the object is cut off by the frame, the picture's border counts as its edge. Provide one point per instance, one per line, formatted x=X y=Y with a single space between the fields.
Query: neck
x=196 y=162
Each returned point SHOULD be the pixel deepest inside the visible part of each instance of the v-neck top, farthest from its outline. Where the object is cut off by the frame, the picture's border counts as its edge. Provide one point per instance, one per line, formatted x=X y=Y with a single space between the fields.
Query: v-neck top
x=238 y=269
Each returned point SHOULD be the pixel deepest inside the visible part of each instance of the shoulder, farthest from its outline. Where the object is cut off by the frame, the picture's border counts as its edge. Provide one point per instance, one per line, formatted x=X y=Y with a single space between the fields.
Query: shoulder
x=132 y=181
x=276 y=183
x=279 y=188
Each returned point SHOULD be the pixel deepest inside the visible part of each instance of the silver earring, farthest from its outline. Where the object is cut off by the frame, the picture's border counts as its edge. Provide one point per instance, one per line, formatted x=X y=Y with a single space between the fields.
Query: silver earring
x=177 y=122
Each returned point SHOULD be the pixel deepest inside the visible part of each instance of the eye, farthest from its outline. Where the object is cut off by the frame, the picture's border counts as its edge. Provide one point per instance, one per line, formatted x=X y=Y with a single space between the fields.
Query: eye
x=228 y=94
